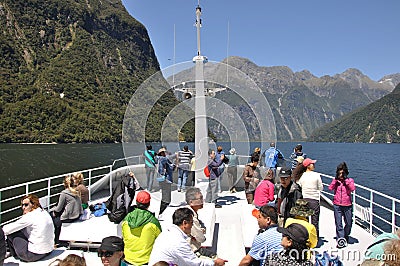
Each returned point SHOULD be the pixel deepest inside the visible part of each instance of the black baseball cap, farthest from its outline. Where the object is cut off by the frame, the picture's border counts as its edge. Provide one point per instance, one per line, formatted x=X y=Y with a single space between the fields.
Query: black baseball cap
x=112 y=243
x=296 y=232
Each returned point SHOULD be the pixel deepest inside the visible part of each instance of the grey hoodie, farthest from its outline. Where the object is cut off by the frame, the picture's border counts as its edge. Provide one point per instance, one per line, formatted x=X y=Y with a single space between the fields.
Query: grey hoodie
x=69 y=204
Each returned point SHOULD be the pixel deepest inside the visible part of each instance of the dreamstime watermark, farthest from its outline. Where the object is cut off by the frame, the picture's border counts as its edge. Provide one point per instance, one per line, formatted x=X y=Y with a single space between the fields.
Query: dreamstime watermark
x=333 y=254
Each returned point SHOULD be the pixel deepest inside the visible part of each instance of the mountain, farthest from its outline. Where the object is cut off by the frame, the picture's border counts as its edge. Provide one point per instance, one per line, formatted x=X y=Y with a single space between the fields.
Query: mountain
x=68 y=69
x=300 y=101
x=378 y=122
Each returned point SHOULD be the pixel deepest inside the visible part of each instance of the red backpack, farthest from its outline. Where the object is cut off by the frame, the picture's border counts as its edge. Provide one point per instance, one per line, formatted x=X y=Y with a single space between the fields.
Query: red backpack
x=207 y=171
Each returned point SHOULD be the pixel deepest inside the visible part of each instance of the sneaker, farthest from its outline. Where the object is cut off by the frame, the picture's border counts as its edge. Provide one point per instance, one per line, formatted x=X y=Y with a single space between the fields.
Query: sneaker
x=218 y=206
x=179 y=190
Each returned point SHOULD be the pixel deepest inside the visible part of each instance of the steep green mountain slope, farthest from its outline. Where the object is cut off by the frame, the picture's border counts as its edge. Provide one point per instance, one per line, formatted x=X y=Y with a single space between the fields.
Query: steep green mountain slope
x=68 y=69
x=378 y=122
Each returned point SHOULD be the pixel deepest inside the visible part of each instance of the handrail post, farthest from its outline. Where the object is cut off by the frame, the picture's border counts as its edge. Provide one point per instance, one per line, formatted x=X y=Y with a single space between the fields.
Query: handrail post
x=90 y=184
x=110 y=180
x=354 y=204
x=48 y=194
x=393 y=216
x=371 y=211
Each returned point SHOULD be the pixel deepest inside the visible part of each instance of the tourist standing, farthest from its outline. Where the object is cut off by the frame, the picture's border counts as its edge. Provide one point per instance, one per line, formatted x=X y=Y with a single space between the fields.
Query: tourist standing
x=251 y=175
x=232 y=169
x=165 y=169
x=342 y=186
x=271 y=157
x=183 y=157
x=311 y=186
x=149 y=166
x=289 y=193
x=298 y=151
x=215 y=174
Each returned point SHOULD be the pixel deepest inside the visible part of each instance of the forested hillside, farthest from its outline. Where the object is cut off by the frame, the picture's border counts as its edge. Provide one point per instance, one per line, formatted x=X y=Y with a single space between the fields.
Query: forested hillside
x=68 y=69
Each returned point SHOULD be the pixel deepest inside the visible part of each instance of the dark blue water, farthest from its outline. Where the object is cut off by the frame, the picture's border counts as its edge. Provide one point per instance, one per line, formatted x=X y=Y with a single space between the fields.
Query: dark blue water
x=372 y=165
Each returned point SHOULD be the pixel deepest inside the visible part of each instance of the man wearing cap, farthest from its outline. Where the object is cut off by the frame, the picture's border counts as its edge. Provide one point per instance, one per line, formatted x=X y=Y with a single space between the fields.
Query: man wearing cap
x=172 y=246
x=301 y=212
x=311 y=186
x=288 y=194
x=140 y=228
x=271 y=157
x=294 y=239
x=268 y=239
x=111 y=251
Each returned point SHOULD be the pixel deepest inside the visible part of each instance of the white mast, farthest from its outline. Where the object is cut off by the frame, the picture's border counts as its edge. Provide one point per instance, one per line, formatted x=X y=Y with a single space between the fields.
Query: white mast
x=201 y=129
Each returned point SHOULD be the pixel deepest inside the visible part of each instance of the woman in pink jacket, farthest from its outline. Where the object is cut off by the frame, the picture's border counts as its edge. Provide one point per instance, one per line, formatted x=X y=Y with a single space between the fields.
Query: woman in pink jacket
x=342 y=205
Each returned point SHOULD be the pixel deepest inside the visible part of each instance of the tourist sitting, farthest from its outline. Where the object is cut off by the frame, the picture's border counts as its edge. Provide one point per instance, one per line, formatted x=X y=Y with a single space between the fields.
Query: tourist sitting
x=31 y=237
x=111 y=251
x=2 y=247
x=264 y=193
x=171 y=245
x=268 y=239
x=294 y=242
x=301 y=212
x=68 y=208
x=376 y=250
x=195 y=201
x=70 y=260
x=288 y=193
x=140 y=228
x=83 y=191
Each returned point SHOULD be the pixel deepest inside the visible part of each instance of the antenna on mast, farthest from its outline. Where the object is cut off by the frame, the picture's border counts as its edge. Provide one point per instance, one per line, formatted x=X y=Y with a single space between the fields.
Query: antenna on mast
x=227 y=57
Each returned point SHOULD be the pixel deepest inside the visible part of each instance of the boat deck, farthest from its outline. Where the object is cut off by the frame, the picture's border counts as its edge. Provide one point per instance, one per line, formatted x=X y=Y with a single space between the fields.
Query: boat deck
x=234 y=230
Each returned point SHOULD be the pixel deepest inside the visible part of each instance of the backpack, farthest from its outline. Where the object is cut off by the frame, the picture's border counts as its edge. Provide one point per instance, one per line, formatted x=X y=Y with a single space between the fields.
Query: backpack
x=327 y=260
x=207 y=171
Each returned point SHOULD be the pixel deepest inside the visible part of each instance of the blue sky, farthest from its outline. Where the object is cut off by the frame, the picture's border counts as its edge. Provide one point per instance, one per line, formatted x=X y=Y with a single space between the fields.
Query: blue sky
x=324 y=37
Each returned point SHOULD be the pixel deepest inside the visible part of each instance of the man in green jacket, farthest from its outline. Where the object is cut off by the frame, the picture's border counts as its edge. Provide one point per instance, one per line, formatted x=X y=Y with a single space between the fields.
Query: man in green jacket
x=140 y=228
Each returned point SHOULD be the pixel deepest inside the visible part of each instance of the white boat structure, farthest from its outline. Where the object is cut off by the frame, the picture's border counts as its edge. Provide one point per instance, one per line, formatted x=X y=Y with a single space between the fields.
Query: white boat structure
x=230 y=229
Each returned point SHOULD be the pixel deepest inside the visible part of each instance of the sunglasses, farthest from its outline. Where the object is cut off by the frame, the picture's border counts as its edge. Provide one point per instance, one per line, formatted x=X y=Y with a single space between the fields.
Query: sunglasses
x=24 y=205
x=106 y=254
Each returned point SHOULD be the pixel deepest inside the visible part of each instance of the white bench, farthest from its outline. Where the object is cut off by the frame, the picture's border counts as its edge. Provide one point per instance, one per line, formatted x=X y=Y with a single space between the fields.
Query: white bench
x=249 y=225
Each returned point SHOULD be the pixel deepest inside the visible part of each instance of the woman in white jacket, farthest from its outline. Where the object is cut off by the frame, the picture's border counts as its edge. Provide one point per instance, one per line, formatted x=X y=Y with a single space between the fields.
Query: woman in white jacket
x=31 y=237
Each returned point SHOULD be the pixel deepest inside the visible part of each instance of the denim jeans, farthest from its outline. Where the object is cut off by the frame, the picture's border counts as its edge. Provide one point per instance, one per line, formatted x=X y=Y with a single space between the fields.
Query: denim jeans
x=345 y=212
x=182 y=178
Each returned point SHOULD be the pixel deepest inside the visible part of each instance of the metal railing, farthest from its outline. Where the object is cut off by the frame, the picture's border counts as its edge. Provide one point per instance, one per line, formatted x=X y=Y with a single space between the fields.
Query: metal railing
x=48 y=189
x=373 y=210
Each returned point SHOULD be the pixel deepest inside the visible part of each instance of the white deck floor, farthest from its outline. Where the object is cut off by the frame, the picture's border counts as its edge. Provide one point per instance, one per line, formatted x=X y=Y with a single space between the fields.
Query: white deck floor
x=230 y=239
